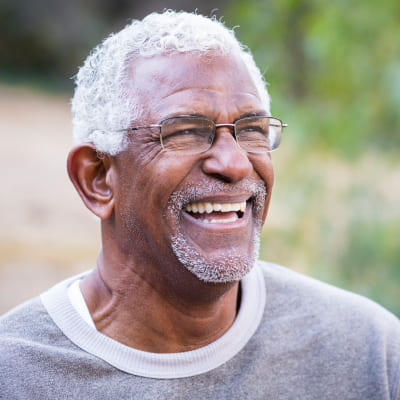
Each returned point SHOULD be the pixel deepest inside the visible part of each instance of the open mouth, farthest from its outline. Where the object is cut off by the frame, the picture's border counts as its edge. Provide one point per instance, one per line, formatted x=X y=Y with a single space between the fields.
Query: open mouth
x=216 y=213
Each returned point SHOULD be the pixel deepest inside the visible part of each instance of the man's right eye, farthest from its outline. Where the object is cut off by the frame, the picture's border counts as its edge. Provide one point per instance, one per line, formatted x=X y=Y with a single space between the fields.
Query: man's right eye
x=179 y=132
x=252 y=129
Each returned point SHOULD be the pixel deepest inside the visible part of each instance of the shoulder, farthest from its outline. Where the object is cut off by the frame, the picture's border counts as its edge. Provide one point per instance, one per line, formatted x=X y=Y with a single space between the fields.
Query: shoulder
x=294 y=290
x=23 y=332
x=318 y=295
x=335 y=322
x=20 y=321
x=36 y=358
x=26 y=331
x=25 y=327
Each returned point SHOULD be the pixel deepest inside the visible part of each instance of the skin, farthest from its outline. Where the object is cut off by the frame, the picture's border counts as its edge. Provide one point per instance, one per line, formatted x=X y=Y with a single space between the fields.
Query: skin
x=140 y=294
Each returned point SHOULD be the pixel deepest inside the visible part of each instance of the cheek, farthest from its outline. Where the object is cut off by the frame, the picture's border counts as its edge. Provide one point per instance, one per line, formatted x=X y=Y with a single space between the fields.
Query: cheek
x=262 y=165
x=151 y=180
x=170 y=170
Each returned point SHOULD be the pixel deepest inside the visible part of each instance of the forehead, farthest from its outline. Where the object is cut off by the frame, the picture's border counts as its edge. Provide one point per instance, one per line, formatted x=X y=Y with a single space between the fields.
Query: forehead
x=193 y=84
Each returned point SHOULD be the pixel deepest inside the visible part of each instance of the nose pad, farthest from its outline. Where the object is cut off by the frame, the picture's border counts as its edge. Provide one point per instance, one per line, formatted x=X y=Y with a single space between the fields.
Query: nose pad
x=226 y=159
x=233 y=134
x=222 y=133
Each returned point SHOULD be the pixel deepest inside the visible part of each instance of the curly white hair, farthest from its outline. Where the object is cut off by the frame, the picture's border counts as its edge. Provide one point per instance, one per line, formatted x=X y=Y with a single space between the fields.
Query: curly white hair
x=101 y=106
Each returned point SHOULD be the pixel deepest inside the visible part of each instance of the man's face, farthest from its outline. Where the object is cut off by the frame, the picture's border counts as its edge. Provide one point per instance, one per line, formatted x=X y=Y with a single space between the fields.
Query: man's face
x=160 y=194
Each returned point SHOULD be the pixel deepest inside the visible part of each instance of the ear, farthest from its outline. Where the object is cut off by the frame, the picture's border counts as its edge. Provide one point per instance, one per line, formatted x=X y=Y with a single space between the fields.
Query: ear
x=92 y=178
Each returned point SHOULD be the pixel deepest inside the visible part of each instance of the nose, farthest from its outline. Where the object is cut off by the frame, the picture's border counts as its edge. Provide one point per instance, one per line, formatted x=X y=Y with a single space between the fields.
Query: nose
x=225 y=159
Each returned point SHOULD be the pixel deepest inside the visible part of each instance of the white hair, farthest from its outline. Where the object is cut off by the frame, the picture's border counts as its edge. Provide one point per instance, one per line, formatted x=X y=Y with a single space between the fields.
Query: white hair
x=101 y=106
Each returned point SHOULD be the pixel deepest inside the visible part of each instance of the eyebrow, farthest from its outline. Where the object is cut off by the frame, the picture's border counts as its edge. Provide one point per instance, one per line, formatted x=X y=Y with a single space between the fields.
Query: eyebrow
x=258 y=113
x=185 y=115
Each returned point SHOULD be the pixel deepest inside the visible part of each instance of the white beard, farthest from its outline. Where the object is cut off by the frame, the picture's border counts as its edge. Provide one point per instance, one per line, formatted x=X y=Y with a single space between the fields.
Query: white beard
x=217 y=270
x=229 y=268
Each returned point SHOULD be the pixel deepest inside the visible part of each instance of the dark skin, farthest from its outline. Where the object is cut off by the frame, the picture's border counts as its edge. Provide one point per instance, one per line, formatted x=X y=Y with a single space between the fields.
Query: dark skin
x=140 y=294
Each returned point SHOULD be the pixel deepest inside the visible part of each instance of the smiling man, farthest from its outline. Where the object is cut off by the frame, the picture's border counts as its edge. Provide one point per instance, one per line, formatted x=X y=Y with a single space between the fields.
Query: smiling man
x=173 y=153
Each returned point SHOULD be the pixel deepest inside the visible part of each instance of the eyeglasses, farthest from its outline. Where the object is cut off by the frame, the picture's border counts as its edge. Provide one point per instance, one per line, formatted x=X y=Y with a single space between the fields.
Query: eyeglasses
x=193 y=135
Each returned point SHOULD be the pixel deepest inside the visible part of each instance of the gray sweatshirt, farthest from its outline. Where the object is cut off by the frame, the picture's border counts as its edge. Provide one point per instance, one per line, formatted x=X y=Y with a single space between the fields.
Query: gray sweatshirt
x=293 y=338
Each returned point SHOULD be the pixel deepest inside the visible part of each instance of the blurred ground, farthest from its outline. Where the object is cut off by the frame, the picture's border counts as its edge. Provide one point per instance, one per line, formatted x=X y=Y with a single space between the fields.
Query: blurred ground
x=46 y=234
x=336 y=219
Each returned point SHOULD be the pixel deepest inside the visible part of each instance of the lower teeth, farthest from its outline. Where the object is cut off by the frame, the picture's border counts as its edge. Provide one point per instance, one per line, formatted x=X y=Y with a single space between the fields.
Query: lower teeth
x=219 y=220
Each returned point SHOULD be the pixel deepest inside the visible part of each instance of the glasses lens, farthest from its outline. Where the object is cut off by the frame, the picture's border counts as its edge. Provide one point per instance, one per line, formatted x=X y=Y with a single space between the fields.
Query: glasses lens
x=259 y=134
x=187 y=134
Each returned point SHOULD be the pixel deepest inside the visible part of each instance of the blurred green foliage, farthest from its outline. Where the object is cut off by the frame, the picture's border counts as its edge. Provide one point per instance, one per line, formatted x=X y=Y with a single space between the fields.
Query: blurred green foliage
x=334 y=68
x=337 y=220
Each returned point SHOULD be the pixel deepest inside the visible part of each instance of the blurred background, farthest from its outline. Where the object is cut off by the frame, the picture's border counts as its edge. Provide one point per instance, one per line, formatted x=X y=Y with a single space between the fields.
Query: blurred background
x=334 y=76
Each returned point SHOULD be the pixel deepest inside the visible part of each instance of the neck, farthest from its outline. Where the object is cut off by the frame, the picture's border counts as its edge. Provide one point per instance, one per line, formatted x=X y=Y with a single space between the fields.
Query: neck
x=138 y=311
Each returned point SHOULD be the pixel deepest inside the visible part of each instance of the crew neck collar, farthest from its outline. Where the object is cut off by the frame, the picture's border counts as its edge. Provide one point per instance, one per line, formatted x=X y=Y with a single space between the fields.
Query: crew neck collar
x=160 y=365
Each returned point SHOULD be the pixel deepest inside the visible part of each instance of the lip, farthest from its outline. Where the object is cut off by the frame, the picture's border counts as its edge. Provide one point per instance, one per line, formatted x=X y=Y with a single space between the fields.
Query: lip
x=222 y=198
x=224 y=227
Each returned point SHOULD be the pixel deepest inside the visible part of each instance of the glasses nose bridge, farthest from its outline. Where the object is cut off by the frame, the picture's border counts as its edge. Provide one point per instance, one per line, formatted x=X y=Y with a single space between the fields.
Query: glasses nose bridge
x=232 y=126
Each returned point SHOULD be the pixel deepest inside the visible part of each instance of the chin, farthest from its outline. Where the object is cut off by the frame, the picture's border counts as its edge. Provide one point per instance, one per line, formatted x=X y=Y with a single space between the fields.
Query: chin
x=215 y=269
x=217 y=245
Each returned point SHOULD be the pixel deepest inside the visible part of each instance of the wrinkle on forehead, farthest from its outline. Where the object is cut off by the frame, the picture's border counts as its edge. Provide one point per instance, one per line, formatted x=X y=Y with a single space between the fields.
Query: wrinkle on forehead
x=193 y=82
x=208 y=103
x=208 y=89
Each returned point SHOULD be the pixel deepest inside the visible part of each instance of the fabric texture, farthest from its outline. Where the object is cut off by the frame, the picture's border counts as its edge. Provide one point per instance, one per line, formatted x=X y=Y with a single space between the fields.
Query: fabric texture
x=314 y=341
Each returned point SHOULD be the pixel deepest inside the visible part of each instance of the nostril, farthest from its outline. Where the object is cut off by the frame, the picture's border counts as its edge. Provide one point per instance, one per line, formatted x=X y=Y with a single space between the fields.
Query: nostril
x=222 y=177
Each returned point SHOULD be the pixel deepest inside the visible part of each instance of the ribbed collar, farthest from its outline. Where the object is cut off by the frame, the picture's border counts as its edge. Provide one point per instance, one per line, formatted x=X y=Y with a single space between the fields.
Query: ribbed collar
x=160 y=365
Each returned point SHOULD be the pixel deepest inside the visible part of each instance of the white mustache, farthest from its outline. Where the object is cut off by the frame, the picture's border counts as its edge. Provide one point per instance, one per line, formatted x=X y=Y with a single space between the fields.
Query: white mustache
x=195 y=192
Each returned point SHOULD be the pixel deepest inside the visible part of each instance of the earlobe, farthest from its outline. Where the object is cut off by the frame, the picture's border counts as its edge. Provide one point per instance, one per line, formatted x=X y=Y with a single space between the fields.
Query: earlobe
x=91 y=176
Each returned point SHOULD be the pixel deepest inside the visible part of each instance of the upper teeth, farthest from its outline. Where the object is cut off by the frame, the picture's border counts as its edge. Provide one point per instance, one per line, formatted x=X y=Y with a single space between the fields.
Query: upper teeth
x=208 y=207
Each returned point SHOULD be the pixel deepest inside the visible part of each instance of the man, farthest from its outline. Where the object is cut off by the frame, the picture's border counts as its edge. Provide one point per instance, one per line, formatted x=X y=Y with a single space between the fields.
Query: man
x=173 y=139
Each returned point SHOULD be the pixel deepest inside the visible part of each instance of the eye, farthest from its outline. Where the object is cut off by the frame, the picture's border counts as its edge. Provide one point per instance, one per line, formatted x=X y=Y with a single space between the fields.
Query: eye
x=253 y=134
x=195 y=131
x=187 y=134
x=252 y=128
